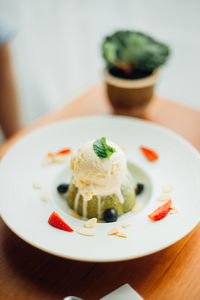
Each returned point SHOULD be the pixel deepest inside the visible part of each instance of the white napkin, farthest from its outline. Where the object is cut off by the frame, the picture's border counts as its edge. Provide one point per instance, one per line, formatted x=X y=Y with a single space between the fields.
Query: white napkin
x=124 y=292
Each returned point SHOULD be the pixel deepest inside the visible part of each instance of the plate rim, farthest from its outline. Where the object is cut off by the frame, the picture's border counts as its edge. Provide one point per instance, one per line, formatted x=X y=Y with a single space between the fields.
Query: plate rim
x=74 y=119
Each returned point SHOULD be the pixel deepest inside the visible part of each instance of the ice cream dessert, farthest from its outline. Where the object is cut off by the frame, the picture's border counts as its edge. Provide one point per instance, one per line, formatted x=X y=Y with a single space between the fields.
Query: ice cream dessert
x=100 y=180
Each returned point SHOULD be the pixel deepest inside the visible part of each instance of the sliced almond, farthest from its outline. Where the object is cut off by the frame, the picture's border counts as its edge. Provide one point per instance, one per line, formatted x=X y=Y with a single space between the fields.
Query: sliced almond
x=126 y=224
x=44 y=198
x=90 y=223
x=137 y=207
x=164 y=197
x=87 y=231
x=52 y=158
x=113 y=231
x=37 y=185
x=121 y=234
x=60 y=158
x=168 y=188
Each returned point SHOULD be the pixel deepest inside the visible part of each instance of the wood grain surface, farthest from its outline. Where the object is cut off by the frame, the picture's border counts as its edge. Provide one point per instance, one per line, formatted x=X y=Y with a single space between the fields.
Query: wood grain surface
x=173 y=273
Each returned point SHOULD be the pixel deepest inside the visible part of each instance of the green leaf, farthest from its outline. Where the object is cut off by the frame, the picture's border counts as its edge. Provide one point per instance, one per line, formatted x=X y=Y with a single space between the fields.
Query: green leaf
x=102 y=149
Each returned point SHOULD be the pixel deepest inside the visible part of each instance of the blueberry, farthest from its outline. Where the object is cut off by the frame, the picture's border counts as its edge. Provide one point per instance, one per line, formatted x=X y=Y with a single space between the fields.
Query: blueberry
x=62 y=188
x=110 y=215
x=139 y=188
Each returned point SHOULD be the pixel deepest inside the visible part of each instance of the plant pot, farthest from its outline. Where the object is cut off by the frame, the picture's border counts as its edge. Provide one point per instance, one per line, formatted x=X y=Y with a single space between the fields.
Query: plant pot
x=130 y=96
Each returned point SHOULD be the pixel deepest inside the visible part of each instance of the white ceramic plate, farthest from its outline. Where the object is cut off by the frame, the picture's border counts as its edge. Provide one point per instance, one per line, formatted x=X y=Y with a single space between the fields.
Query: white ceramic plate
x=26 y=215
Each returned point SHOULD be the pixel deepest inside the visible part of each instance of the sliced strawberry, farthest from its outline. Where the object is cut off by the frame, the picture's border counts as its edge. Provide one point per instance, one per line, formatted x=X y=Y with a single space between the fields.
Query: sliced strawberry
x=61 y=152
x=150 y=154
x=161 y=211
x=56 y=221
x=64 y=151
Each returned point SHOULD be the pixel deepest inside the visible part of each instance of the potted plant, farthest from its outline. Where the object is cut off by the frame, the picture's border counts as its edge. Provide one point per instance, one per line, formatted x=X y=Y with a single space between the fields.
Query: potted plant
x=132 y=69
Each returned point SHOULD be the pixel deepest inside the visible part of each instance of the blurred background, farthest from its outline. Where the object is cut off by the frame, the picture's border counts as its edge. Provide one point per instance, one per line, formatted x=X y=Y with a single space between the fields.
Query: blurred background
x=56 y=46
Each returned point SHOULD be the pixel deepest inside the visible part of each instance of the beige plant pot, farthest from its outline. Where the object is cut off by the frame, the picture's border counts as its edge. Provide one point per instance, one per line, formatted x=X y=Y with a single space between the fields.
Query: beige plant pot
x=130 y=96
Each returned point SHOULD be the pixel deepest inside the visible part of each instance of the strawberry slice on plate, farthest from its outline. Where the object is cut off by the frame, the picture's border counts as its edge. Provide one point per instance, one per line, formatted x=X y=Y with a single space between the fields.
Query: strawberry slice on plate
x=151 y=155
x=56 y=221
x=64 y=151
x=161 y=211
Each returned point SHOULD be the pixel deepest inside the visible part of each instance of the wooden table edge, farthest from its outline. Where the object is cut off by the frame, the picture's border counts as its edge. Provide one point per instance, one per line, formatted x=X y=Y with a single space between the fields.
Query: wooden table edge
x=69 y=111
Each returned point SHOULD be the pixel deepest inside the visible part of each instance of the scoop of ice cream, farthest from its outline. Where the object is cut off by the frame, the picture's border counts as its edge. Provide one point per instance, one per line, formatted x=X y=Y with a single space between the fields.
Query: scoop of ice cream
x=96 y=176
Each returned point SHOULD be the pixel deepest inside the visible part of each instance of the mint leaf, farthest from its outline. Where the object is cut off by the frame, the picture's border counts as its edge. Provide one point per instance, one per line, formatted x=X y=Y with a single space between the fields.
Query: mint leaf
x=99 y=149
x=109 y=150
x=102 y=149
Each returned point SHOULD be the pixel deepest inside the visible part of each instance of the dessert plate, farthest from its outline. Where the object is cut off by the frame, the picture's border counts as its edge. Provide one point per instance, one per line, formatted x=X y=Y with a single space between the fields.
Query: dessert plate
x=26 y=214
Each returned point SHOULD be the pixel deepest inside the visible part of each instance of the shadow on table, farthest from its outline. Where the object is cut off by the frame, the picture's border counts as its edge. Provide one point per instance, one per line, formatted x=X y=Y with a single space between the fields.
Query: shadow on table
x=37 y=273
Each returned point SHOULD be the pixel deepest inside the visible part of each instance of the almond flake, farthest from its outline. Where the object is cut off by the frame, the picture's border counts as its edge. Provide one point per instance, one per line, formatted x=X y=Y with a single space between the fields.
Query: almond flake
x=44 y=198
x=87 y=231
x=60 y=158
x=121 y=234
x=126 y=224
x=164 y=197
x=36 y=185
x=137 y=207
x=168 y=188
x=113 y=231
x=53 y=158
x=90 y=223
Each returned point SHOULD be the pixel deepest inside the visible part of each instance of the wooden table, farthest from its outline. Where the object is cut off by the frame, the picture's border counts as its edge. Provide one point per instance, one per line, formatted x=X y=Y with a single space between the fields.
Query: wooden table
x=173 y=273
